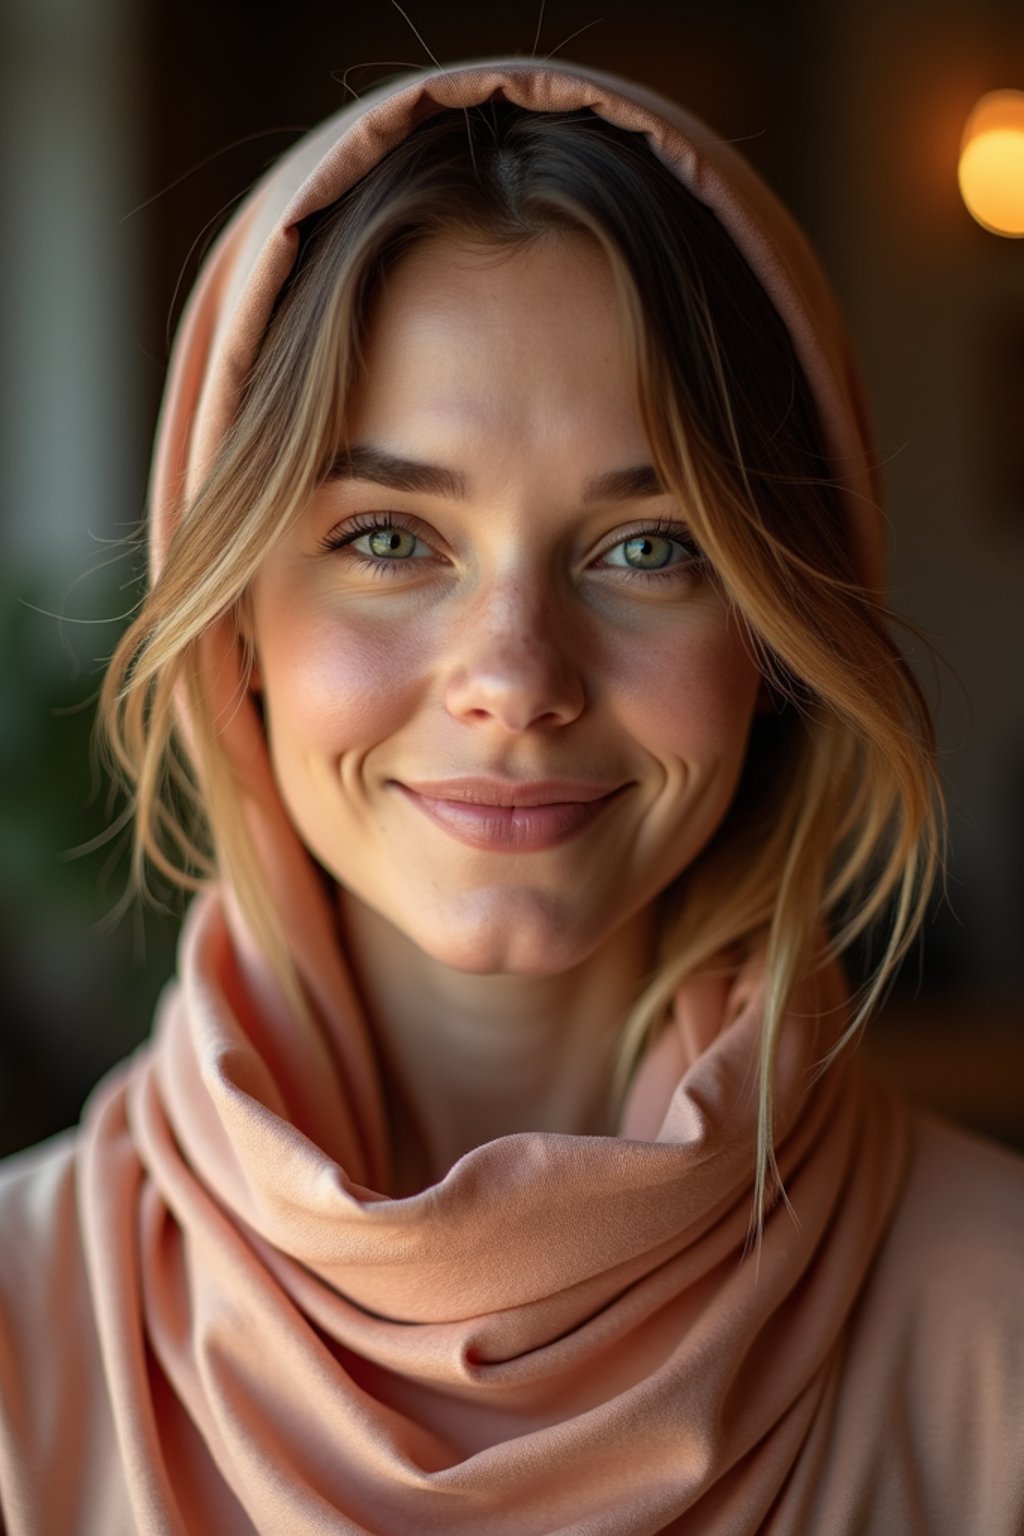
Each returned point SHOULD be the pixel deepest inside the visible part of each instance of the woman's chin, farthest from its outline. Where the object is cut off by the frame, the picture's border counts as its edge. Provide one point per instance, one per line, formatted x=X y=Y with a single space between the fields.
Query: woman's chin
x=502 y=954
x=517 y=938
x=495 y=931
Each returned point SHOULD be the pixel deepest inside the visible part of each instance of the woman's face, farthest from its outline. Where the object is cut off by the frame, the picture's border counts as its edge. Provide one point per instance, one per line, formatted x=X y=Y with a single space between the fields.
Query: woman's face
x=505 y=707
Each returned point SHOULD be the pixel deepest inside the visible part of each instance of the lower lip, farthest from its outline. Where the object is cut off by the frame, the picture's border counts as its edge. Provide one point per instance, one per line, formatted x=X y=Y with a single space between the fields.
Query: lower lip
x=507 y=828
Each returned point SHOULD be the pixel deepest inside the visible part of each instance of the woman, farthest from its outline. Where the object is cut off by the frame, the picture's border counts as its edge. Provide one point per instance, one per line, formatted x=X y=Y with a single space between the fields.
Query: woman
x=515 y=680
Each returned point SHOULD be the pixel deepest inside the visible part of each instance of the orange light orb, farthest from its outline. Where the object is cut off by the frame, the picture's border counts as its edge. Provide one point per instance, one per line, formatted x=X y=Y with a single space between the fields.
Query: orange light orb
x=991 y=170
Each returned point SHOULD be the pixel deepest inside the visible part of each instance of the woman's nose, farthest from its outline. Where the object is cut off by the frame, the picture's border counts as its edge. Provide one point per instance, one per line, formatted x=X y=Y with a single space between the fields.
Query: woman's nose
x=514 y=663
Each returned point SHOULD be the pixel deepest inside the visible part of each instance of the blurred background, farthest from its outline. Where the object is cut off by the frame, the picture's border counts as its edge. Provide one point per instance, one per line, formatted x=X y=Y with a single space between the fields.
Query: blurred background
x=127 y=132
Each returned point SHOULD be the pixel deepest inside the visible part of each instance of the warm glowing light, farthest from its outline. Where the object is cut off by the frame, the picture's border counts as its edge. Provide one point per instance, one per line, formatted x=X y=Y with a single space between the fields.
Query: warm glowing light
x=991 y=172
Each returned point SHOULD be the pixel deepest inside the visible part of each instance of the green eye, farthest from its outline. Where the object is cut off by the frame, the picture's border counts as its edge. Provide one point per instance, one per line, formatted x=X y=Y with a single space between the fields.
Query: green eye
x=648 y=552
x=391 y=543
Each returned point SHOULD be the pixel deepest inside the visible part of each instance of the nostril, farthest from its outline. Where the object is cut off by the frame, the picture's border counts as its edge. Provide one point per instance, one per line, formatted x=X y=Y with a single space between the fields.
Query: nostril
x=516 y=708
x=514 y=680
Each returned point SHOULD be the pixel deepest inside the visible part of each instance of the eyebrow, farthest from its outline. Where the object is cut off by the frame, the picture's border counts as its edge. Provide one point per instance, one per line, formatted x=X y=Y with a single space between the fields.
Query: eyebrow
x=365 y=461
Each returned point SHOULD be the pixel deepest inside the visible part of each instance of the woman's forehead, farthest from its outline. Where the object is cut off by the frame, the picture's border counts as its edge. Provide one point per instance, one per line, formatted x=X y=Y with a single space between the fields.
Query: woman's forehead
x=529 y=354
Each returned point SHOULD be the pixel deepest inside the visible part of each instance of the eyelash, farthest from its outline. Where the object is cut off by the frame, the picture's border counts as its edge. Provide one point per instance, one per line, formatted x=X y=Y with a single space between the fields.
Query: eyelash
x=677 y=533
x=356 y=527
x=375 y=522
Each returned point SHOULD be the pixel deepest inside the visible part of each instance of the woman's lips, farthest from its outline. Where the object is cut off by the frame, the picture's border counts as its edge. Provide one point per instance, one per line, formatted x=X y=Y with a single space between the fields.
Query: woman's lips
x=510 y=818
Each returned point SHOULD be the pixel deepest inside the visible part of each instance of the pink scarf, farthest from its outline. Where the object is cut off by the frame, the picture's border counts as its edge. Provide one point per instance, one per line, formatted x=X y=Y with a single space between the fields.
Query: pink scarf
x=563 y=1334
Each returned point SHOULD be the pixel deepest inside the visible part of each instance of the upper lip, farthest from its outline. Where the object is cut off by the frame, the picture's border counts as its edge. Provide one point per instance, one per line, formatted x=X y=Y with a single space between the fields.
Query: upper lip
x=480 y=791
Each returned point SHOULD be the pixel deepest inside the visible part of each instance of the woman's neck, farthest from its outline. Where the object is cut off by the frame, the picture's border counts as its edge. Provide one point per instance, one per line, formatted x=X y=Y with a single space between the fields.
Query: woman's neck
x=467 y=1058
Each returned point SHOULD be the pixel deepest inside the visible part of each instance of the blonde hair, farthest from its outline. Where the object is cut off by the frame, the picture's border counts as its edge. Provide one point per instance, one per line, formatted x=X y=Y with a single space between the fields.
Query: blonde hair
x=838 y=822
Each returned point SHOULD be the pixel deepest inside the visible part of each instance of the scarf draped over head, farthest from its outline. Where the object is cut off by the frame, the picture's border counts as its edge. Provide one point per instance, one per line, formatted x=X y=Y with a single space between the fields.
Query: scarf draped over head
x=565 y=1333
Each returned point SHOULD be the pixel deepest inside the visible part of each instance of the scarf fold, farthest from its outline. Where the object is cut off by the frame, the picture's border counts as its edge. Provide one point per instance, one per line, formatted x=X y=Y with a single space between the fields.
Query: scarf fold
x=563 y=1333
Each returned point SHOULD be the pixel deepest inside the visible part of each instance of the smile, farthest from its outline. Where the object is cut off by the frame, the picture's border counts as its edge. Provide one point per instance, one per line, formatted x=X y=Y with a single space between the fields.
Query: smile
x=506 y=818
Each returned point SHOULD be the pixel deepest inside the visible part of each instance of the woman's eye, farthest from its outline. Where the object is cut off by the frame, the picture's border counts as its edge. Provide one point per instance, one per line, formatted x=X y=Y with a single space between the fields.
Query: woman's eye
x=376 y=542
x=651 y=551
x=389 y=543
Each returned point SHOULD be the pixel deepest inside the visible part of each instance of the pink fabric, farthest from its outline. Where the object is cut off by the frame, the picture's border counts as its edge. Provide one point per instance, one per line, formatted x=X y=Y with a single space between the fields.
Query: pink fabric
x=560 y=1335
x=216 y=1319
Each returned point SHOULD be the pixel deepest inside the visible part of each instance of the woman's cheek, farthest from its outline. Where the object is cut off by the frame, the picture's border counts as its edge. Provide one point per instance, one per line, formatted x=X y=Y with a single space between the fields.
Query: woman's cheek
x=692 y=695
x=335 y=681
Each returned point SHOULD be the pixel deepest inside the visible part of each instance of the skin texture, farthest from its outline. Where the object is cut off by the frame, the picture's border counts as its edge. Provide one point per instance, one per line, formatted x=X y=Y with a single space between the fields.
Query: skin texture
x=511 y=633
